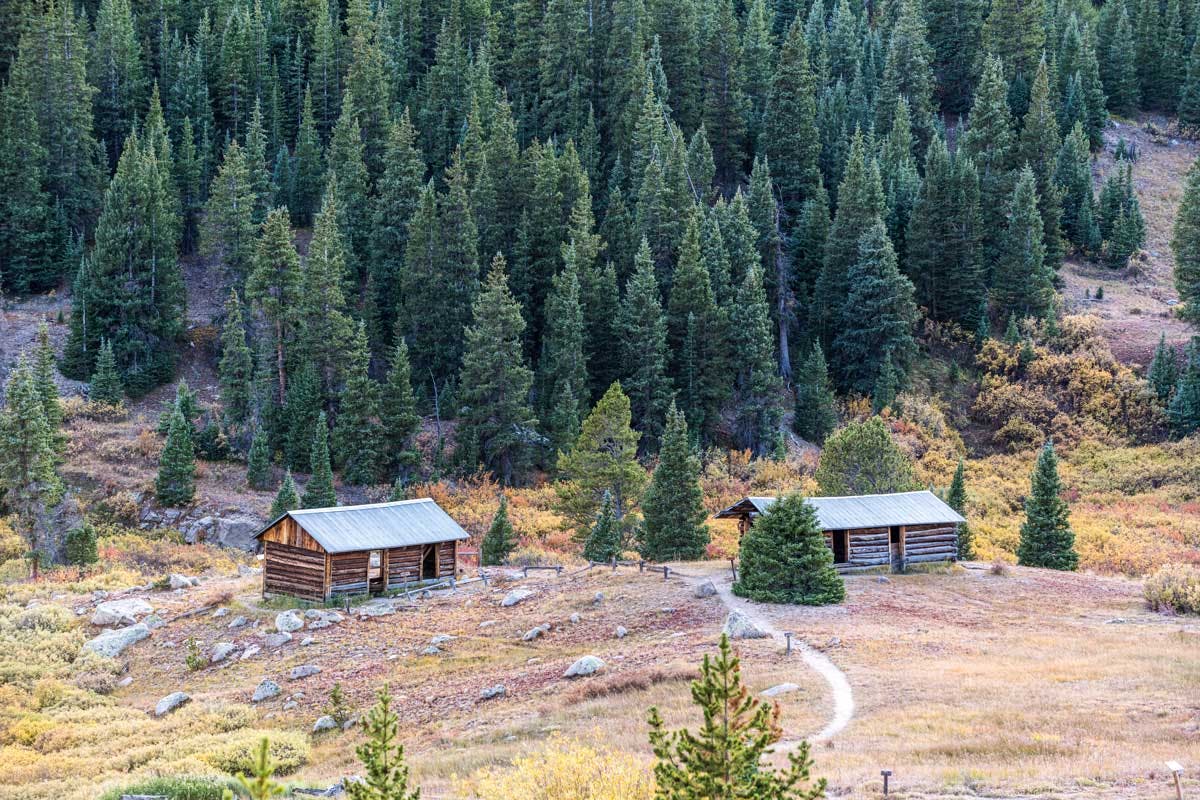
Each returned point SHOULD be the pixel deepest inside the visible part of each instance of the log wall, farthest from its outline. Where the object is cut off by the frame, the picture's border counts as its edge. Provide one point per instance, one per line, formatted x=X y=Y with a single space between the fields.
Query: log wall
x=288 y=531
x=869 y=547
x=930 y=543
x=447 y=558
x=404 y=566
x=348 y=572
x=294 y=571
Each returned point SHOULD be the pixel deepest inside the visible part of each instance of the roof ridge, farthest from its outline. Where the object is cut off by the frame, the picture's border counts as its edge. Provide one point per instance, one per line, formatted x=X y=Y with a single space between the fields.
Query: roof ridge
x=364 y=505
x=842 y=496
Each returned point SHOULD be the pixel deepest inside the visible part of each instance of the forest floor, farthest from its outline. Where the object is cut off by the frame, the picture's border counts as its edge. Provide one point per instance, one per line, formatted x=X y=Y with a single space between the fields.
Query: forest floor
x=968 y=682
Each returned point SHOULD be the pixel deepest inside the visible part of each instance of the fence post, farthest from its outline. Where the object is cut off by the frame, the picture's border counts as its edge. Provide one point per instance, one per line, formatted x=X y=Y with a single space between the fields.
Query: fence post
x=614 y=563
x=886 y=773
x=1176 y=770
x=733 y=569
x=666 y=572
x=525 y=570
x=641 y=565
x=788 y=636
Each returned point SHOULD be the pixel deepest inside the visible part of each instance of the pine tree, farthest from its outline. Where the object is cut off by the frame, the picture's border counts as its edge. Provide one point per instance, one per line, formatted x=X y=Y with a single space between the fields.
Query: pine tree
x=237 y=365
x=79 y=546
x=175 y=484
x=319 y=491
x=257 y=171
x=258 y=463
x=1015 y=31
x=1073 y=177
x=603 y=459
x=320 y=313
x=347 y=176
x=44 y=368
x=604 y=539
x=673 y=504
x=382 y=756
x=273 y=289
x=643 y=347
x=756 y=382
x=789 y=139
x=105 y=387
x=816 y=407
x=955 y=36
x=1046 y=536
x=908 y=74
x=27 y=460
x=1189 y=93
x=1037 y=147
x=310 y=166
x=784 y=558
x=1164 y=370
x=500 y=539
x=1185 y=244
x=497 y=427
x=300 y=411
x=887 y=385
x=358 y=434
x=862 y=458
x=1121 y=80
x=287 y=498
x=1183 y=412
x=562 y=368
x=956 y=498
x=990 y=144
x=397 y=195
x=228 y=230
x=398 y=411
x=1021 y=284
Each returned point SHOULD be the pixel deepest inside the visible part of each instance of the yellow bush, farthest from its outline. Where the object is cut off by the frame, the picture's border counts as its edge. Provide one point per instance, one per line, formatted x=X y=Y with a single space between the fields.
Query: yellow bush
x=11 y=544
x=289 y=752
x=26 y=730
x=1174 y=587
x=566 y=769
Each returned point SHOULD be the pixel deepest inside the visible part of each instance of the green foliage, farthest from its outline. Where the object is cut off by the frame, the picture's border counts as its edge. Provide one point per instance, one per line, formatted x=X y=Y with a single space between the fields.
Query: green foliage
x=604 y=541
x=1185 y=244
x=382 y=756
x=175 y=484
x=228 y=230
x=1046 y=536
x=237 y=365
x=339 y=706
x=862 y=458
x=319 y=491
x=258 y=463
x=358 y=434
x=194 y=657
x=398 y=411
x=1164 y=370
x=673 y=504
x=105 y=387
x=1021 y=281
x=79 y=546
x=175 y=788
x=260 y=783
x=784 y=558
x=287 y=498
x=643 y=340
x=1184 y=409
x=956 y=498
x=500 y=539
x=816 y=407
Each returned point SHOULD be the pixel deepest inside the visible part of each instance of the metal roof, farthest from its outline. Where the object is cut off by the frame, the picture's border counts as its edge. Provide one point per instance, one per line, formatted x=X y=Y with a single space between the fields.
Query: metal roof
x=861 y=511
x=377 y=526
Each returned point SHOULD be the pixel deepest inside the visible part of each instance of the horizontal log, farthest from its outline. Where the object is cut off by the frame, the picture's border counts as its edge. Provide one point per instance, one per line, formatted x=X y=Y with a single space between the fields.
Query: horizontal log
x=930 y=527
x=925 y=558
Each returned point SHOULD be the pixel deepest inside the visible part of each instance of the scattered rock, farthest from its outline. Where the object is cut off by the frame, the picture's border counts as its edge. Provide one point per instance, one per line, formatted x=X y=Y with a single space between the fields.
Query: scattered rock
x=303 y=671
x=598 y=598
x=487 y=623
x=706 y=589
x=177 y=581
x=250 y=651
x=834 y=641
x=587 y=665
x=325 y=723
x=154 y=622
x=1117 y=621
x=576 y=619
x=432 y=650
x=121 y=612
x=288 y=621
x=307 y=640
x=516 y=596
x=350 y=723
x=221 y=651
x=379 y=607
x=126 y=681
x=534 y=633
x=739 y=626
x=245 y=571
x=289 y=705
x=238 y=621
x=220 y=612
x=778 y=689
x=492 y=692
x=265 y=691
x=112 y=643
x=441 y=639
x=171 y=702
x=882 y=579
x=276 y=639
x=621 y=632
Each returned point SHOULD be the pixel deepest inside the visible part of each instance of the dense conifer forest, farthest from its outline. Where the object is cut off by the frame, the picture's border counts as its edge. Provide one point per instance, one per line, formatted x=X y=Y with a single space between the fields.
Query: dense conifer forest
x=494 y=212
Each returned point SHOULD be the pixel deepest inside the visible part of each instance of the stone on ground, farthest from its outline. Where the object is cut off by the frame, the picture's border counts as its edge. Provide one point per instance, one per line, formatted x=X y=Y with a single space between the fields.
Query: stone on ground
x=288 y=621
x=587 y=665
x=265 y=691
x=303 y=671
x=121 y=612
x=177 y=581
x=491 y=692
x=113 y=643
x=221 y=651
x=171 y=702
x=621 y=632
x=706 y=589
x=739 y=626
x=778 y=689
x=516 y=596
x=325 y=723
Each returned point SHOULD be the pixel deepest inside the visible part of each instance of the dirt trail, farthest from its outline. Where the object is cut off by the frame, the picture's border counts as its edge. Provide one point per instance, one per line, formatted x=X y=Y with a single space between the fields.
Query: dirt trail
x=839 y=685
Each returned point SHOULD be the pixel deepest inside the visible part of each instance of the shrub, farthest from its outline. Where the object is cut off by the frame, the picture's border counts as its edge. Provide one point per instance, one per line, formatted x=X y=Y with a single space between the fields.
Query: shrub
x=289 y=752
x=195 y=656
x=1174 y=587
x=175 y=788
x=565 y=769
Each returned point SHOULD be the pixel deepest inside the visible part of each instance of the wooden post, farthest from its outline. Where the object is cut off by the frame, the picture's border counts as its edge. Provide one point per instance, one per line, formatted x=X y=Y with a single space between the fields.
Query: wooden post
x=733 y=569
x=788 y=636
x=886 y=773
x=1176 y=770
x=666 y=573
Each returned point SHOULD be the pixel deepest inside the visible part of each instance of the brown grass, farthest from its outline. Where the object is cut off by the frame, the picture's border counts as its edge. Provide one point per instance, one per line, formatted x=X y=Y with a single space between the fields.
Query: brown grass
x=636 y=680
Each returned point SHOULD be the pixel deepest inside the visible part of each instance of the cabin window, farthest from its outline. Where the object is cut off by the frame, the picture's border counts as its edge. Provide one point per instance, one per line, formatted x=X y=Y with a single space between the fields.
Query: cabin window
x=374 y=563
x=841 y=547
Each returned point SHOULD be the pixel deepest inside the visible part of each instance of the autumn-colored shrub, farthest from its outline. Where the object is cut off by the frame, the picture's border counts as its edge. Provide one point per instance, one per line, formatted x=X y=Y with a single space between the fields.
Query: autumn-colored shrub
x=632 y=680
x=565 y=769
x=1175 y=588
x=175 y=788
x=289 y=752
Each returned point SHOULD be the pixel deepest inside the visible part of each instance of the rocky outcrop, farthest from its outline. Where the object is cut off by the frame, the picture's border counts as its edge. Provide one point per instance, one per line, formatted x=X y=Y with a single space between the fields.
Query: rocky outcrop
x=171 y=702
x=113 y=643
x=587 y=665
x=288 y=621
x=121 y=612
x=265 y=691
x=516 y=596
x=739 y=626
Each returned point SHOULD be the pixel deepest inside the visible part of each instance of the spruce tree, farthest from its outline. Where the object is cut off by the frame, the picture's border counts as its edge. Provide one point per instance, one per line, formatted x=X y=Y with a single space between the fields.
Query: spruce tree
x=273 y=290
x=228 y=231
x=44 y=368
x=643 y=347
x=1015 y=31
x=1189 y=94
x=1164 y=370
x=956 y=498
x=673 y=504
x=990 y=144
x=1121 y=80
x=1021 y=283
x=258 y=463
x=816 y=407
x=756 y=383
x=789 y=138
x=79 y=546
x=1046 y=536
x=1037 y=147
x=862 y=458
x=395 y=201
x=175 y=484
x=300 y=411
x=500 y=539
x=1183 y=412
x=908 y=74
x=236 y=368
x=310 y=166
x=347 y=176
x=497 y=427
x=105 y=387
x=382 y=757
x=325 y=329
x=398 y=411
x=1185 y=244
x=784 y=558
x=562 y=367
x=319 y=491
x=287 y=498
x=358 y=434
x=604 y=540
x=27 y=460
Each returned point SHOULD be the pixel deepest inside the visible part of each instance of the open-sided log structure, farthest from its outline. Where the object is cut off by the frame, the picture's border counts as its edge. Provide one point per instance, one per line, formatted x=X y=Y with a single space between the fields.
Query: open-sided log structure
x=317 y=553
x=873 y=531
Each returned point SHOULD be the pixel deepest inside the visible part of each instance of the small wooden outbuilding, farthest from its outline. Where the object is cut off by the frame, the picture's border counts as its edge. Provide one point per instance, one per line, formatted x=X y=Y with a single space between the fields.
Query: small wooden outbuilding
x=316 y=553
x=875 y=530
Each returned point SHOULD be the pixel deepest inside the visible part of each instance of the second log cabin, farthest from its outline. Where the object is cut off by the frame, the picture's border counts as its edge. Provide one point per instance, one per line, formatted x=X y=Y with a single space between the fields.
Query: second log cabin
x=316 y=553
x=872 y=531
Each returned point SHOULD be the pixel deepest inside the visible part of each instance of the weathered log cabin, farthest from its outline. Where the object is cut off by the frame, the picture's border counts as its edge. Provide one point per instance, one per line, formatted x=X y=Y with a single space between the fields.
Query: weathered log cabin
x=875 y=530
x=317 y=553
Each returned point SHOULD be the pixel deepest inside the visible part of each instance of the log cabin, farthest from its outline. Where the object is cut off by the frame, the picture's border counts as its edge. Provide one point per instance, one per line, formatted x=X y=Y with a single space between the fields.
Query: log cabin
x=317 y=553
x=867 y=532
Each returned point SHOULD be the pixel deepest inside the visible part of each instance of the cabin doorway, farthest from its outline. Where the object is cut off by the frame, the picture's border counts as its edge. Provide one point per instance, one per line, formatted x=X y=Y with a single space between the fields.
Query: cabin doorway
x=429 y=565
x=841 y=547
x=375 y=572
x=896 y=545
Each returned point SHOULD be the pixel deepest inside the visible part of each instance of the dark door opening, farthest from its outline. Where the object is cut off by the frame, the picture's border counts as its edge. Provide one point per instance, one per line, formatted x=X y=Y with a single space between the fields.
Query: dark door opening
x=841 y=547
x=375 y=577
x=896 y=546
x=429 y=566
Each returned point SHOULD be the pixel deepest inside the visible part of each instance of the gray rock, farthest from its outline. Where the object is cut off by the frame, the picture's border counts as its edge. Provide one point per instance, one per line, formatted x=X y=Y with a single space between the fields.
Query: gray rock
x=598 y=598
x=265 y=691
x=276 y=639
x=487 y=623
x=575 y=618
x=237 y=533
x=706 y=589
x=121 y=612
x=250 y=652
x=834 y=641
x=535 y=633
x=778 y=689
x=379 y=607
x=441 y=639
x=516 y=596
x=325 y=723
x=220 y=612
x=177 y=581
x=739 y=626
x=171 y=702
x=432 y=650
x=126 y=681
x=238 y=621
x=587 y=665
x=307 y=640
x=1116 y=621
x=350 y=723
x=288 y=621
x=221 y=651
x=289 y=705
x=245 y=572
x=113 y=643
x=621 y=632
x=492 y=692
x=883 y=579
x=303 y=671
x=154 y=622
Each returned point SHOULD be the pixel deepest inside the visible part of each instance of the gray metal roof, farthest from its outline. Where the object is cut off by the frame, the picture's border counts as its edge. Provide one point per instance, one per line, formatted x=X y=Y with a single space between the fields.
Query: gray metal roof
x=862 y=511
x=378 y=526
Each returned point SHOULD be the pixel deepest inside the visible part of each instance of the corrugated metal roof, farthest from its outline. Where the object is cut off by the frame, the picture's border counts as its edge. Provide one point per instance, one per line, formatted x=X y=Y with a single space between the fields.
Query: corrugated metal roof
x=378 y=526
x=864 y=511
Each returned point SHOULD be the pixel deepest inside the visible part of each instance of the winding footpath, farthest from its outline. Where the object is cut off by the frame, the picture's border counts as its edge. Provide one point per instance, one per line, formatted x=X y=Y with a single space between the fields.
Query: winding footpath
x=839 y=685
